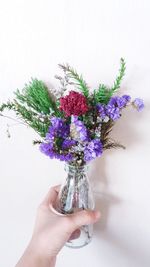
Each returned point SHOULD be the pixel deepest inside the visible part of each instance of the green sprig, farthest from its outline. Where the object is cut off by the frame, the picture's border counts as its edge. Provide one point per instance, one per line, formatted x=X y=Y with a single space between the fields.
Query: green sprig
x=79 y=81
x=104 y=93
x=36 y=95
x=28 y=116
x=119 y=78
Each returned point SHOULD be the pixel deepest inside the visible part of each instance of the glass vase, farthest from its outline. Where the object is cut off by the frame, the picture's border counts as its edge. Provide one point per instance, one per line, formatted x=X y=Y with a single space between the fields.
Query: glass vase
x=76 y=194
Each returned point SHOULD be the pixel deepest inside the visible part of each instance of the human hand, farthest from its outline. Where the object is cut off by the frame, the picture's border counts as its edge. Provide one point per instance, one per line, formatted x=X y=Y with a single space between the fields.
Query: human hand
x=52 y=230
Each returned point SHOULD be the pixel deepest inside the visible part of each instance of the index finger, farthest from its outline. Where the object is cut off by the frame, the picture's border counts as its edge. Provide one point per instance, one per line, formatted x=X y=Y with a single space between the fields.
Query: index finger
x=51 y=195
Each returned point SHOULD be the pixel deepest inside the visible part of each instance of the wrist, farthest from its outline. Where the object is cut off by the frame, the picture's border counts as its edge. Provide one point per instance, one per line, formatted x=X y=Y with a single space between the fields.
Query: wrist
x=33 y=257
x=40 y=256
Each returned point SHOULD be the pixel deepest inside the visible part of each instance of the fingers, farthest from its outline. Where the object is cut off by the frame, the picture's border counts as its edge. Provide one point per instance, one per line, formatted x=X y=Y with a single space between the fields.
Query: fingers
x=77 y=219
x=75 y=234
x=51 y=195
x=84 y=217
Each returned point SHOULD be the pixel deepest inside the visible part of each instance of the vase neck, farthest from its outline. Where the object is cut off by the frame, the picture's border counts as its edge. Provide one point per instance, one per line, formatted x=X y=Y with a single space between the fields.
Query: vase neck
x=76 y=173
x=74 y=168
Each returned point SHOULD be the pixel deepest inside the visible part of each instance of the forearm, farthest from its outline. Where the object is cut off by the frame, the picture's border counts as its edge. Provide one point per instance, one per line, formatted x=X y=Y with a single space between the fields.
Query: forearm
x=31 y=258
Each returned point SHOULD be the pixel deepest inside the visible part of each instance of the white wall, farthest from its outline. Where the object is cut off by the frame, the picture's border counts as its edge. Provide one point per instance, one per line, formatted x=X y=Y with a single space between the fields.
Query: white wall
x=36 y=35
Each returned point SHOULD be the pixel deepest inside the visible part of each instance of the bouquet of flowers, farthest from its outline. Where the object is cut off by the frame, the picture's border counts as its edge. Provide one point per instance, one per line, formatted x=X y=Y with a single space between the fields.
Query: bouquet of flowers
x=73 y=122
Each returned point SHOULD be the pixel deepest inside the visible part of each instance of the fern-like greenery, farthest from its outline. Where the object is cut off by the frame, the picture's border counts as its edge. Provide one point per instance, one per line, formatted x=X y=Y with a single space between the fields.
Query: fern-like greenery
x=119 y=78
x=36 y=96
x=30 y=103
x=103 y=94
x=78 y=79
x=28 y=116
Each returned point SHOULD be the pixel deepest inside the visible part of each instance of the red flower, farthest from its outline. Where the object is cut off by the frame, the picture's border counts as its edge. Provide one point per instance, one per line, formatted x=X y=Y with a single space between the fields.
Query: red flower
x=74 y=104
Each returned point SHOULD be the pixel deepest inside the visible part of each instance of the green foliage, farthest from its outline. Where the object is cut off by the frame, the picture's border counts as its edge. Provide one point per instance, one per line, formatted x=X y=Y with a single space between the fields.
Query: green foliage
x=40 y=127
x=9 y=105
x=58 y=142
x=28 y=116
x=119 y=78
x=103 y=94
x=78 y=79
x=36 y=95
x=32 y=102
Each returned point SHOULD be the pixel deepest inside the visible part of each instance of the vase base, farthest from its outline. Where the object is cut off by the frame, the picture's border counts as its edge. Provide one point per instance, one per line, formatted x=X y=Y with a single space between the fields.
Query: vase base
x=83 y=240
x=75 y=246
x=85 y=233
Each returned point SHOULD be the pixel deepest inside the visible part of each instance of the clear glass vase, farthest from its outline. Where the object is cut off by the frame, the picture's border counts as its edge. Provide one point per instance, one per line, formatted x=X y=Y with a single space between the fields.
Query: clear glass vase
x=76 y=194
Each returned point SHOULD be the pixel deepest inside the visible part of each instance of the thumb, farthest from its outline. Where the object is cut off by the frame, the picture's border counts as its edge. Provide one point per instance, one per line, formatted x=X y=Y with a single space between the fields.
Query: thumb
x=84 y=217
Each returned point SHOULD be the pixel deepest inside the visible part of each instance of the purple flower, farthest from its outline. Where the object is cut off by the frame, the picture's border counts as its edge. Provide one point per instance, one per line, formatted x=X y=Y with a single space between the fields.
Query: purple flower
x=113 y=101
x=138 y=104
x=64 y=157
x=59 y=129
x=113 y=112
x=93 y=149
x=127 y=98
x=101 y=110
x=123 y=100
x=67 y=143
x=119 y=102
x=79 y=131
x=47 y=149
x=51 y=133
x=56 y=122
x=114 y=106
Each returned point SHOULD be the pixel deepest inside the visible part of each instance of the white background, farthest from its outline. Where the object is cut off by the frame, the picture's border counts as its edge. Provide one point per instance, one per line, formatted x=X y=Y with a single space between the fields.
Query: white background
x=92 y=36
